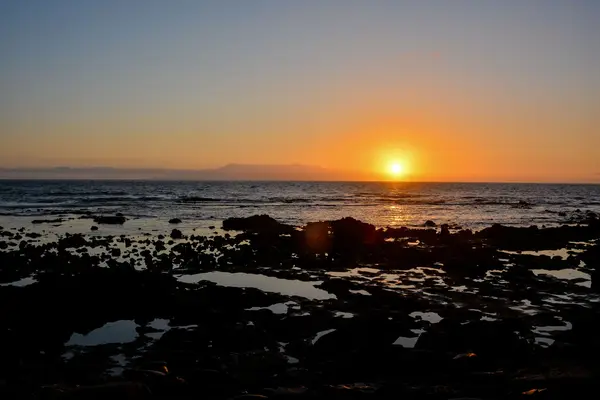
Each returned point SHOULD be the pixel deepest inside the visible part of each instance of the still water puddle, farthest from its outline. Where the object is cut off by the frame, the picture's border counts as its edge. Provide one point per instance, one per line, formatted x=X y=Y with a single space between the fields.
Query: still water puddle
x=562 y=253
x=431 y=317
x=361 y=291
x=321 y=334
x=118 y=332
x=353 y=273
x=402 y=279
x=544 y=333
x=122 y=331
x=290 y=359
x=120 y=361
x=161 y=325
x=279 y=308
x=566 y=274
x=409 y=342
x=526 y=307
x=265 y=283
x=21 y=282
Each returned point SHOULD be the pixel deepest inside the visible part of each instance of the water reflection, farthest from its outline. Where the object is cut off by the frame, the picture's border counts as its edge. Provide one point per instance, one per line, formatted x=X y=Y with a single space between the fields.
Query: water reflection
x=21 y=282
x=432 y=317
x=566 y=274
x=265 y=283
x=279 y=308
x=409 y=342
x=122 y=331
x=321 y=334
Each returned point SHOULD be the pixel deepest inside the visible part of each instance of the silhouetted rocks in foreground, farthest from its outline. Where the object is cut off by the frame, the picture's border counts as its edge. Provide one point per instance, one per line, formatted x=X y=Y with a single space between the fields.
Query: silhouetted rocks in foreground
x=371 y=313
x=499 y=339
x=176 y=234
x=47 y=221
x=110 y=219
x=257 y=224
x=535 y=238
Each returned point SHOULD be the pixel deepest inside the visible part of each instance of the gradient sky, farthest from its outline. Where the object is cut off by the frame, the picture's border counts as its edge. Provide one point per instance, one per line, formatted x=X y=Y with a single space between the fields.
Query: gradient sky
x=456 y=90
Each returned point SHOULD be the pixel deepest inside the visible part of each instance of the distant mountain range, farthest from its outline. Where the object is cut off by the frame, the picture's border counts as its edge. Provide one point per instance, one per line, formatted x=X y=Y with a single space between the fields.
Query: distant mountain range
x=228 y=172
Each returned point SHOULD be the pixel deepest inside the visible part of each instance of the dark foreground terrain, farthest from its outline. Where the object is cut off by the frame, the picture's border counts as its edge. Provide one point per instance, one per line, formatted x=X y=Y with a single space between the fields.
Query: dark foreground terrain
x=354 y=312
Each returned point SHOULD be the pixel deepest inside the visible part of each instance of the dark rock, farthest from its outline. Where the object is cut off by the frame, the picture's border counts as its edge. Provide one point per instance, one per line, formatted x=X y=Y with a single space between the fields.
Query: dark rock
x=353 y=230
x=490 y=339
x=113 y=220
x=429 y=224
x=337 y=286
x=176 y=234
x=533 y=238
x=94 y=228
x=347 y=237
x=350 y=391
x=211 y=383
x=47 y=221
x=174 y=221
x=257 y=223
x=359 y=334
x=445 y=230
x=428 y=236
x=159 y=245
x=596 y=280
x=114 y=390
x=74 y=241
x=317 y=237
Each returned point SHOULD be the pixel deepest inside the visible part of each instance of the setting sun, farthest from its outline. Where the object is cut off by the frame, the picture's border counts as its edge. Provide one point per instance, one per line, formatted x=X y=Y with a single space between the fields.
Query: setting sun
x=396 y=169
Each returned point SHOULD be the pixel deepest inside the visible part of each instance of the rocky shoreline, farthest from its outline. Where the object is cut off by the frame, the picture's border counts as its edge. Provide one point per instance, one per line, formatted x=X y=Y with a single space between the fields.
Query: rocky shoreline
x=330 y=310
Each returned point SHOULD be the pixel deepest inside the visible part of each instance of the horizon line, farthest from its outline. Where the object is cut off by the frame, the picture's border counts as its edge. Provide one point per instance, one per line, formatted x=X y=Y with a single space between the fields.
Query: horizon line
x=4 y=179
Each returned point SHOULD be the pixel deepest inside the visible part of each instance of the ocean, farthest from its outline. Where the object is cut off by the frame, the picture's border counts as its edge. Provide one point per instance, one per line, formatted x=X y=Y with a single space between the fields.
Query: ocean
x=152 y=203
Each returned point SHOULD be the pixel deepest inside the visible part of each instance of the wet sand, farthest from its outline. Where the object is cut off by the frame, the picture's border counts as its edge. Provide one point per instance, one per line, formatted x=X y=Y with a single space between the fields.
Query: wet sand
x=335 y=309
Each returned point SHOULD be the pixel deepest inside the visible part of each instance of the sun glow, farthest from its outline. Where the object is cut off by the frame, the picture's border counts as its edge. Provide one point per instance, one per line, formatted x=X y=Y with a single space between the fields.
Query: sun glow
x=395 y=163
x=396 y=169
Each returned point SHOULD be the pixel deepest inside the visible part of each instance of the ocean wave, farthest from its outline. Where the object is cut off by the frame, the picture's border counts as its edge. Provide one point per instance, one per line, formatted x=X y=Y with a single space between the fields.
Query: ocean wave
x=19 y=205
x=232 y=200
x=394 y=196
x=197 y=199
x=79 y=194
x=118 y=199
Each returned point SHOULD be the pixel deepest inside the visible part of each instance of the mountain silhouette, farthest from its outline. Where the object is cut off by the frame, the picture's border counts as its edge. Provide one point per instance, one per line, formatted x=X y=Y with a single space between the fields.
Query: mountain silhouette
x=288 y=172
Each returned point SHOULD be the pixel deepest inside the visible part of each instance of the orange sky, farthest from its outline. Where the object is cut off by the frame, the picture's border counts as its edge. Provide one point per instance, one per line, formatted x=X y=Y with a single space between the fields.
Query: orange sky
x=468 y=93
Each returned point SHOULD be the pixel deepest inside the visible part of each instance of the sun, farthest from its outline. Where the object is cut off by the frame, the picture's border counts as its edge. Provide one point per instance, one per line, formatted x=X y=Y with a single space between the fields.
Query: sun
x=396 y=169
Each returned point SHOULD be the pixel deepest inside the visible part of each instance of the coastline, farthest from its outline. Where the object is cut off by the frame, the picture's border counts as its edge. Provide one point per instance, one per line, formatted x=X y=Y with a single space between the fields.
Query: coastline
x=325 y=299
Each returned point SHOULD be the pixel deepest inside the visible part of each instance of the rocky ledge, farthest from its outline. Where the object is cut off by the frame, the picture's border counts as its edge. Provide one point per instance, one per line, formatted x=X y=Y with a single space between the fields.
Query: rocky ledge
x=330 y=310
